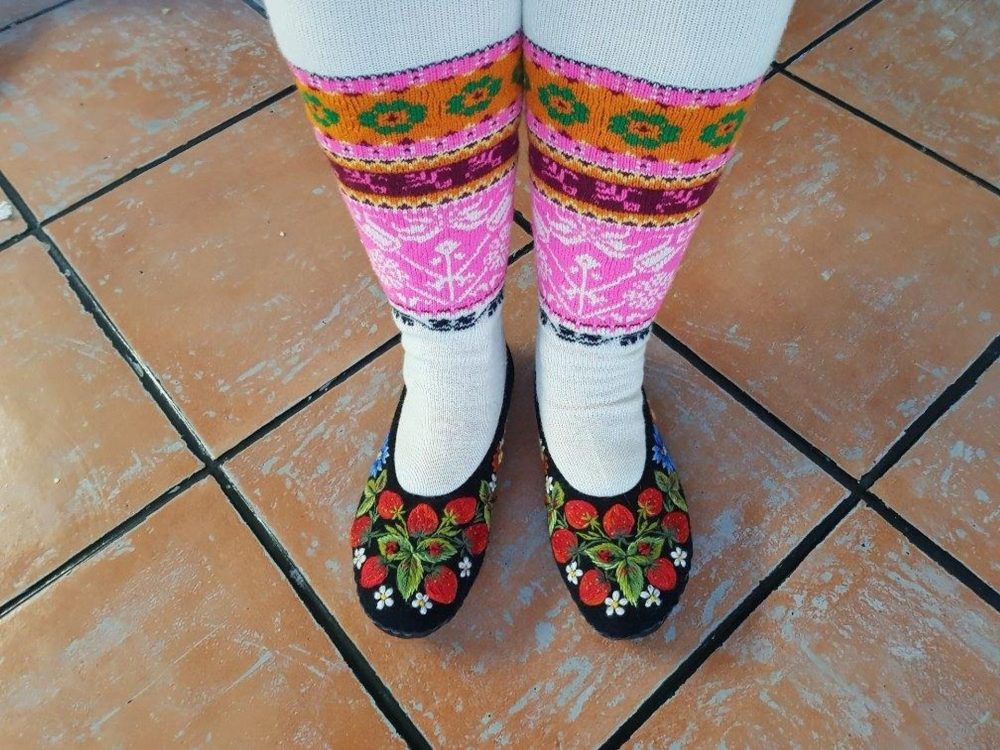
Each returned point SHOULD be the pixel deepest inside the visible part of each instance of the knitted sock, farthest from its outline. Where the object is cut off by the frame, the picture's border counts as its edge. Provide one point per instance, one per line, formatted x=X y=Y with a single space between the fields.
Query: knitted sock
x=425 y=160
x=633 y=109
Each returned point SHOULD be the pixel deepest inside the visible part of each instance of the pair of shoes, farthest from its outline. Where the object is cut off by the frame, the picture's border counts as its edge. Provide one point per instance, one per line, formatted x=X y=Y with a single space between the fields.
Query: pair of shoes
x=624 y=559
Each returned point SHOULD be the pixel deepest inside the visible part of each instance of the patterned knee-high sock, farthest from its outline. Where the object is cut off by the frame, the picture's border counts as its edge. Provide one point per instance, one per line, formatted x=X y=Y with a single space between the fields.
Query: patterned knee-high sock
x=424 y=156
x=633 y=109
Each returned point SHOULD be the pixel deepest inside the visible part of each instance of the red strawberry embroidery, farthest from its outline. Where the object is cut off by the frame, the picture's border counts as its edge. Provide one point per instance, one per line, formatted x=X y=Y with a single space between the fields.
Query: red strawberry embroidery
x=441 y=585
x=477 y=536
x=579 y=513
x=422 y=520
x=461 y=509
x=662 y=574
x=651 y=501
x=594 y=588
x=618 y=521
x=644 y=548
x=391 y=547
x=358 y=529
x=389 y=504
x=677 y=522
x=373 y=572
x=564 y=544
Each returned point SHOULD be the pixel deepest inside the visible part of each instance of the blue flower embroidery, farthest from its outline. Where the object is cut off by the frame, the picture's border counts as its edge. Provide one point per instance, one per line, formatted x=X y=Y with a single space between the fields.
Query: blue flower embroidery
x=660 y=455
x=380 y=459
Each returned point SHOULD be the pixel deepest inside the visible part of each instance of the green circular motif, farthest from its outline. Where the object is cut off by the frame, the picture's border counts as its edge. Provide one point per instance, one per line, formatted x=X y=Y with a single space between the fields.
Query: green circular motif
x=722 y=131
x=320 y=113
x=562 y=105
x=474 y=96
x=397 y=116
x=638 y=128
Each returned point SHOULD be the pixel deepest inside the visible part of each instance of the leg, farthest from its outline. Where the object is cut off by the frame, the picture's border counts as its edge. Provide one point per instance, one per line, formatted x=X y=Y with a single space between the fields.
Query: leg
x=416 y=105
x=633 y=108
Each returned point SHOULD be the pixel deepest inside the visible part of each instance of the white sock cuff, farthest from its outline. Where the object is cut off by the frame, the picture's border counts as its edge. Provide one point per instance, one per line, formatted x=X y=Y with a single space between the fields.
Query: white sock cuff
x=684 y=43
x=369 y=37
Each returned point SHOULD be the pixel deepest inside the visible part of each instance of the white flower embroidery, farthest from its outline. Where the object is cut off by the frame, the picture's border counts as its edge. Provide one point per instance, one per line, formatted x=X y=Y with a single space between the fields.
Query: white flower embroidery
x=651 y=595
x=421 y=602
x=548 y=485
x=465 y=567
x=493 y=483
x=615 y=604
x=359 y=557
x=383 y=597
x=679 y=557
x=573 y=573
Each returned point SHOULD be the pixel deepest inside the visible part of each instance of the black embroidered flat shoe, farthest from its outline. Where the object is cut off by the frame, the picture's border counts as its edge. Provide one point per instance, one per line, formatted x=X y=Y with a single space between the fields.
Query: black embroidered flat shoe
x=415 y=557
x=624 y=559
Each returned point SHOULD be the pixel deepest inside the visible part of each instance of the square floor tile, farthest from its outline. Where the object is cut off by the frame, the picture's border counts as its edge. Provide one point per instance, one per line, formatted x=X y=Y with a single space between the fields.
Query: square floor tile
x=948 y=484
x=11 y=221
x=841 y=277
x=868 y=644
x=97 y=87
x=82 y=446
x=181 y=634
x=810 y=19
x=235 y=271
x=929 y=68
x=518 y=666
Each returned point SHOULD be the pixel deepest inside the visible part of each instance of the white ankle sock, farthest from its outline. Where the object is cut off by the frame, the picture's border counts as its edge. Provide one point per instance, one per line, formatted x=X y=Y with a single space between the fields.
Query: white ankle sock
x=590 y=405
x=454 y=393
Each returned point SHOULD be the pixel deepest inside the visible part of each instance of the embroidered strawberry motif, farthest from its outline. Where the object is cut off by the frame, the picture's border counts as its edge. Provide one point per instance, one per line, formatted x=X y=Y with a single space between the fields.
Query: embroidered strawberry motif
x=594 y=588
x=461 y=509
x=662 y=574
x=373 y=572
x=358 y=529
x=564 y=543
x=477 y=537
x=579 y=513
x=618 y=521
x=422 y=520
x=677 y=523
x=389 y=504
x=651 y=501
x=441 y=585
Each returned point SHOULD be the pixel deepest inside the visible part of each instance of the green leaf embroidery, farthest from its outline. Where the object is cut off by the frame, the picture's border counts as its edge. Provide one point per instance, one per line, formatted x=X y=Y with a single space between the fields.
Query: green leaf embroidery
x=403 y=548
x=677 y=499
x=408 y=576
x=605 y=555
x=435 y=549
x=380 y=481
x=629 y=576
x=655 y=546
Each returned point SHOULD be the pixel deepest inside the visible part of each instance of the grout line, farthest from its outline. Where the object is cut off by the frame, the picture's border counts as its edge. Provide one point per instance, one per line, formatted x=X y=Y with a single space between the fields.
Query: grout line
x=983 y=183
x=302 y=403
x=175 y=151
x=522 y=222
x=19 y=203
x=520 y=253
x=778 y=575
x=810 y=451
x=948 y=398
x=828 y=33
x=383 y=698
x=143 y=372
x=34 y=15
x=933 y=550
x=109 y=537
x=258 y=9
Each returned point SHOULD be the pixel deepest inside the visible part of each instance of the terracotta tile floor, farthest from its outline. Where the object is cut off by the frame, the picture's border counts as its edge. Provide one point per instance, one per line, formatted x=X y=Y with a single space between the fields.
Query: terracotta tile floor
x=196 y=365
